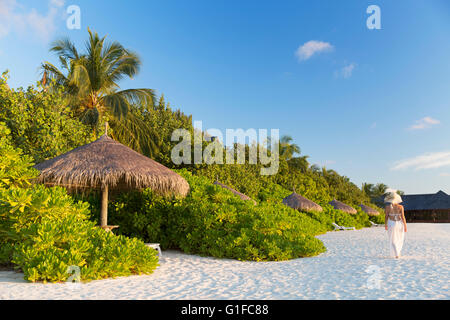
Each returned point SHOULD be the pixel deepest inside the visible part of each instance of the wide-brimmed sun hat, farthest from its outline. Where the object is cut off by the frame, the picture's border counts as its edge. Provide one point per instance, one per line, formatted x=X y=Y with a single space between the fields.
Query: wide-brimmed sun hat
x=392 y=197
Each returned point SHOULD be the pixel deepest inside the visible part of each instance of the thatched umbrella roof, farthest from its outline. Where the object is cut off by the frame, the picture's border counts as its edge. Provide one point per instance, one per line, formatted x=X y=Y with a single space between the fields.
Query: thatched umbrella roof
x=370 y=211
x=343 y=207
x=298 y=202
x=240 y=195
x=106 y=164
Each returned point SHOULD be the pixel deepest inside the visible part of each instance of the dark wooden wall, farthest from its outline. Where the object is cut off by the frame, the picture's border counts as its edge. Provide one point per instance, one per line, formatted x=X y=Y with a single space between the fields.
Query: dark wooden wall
x=433 y=216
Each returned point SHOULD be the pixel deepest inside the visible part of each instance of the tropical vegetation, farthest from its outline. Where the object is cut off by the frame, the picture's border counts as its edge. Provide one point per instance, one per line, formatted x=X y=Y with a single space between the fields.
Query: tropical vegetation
x=91 y=87
x=43 y=231
x=45 y=234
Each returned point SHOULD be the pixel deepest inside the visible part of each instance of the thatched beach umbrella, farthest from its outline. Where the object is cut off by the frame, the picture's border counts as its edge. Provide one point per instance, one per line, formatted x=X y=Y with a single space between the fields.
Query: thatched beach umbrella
x=240 y=195
x=369 y=210
x=106 y=164
x=298 y=202
x=343 y=207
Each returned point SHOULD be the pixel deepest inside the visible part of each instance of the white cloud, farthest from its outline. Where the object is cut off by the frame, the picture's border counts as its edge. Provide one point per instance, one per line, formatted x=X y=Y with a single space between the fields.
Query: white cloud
x=444 y=174
x=345 y=72
x=426 y=161
x=310 y=48
x=15 y=18
x=57 y=3
x=6 y=7
x=424 y=123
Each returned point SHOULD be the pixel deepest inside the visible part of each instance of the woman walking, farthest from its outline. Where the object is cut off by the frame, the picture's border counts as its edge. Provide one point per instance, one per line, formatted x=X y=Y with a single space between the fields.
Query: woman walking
x=395 y=222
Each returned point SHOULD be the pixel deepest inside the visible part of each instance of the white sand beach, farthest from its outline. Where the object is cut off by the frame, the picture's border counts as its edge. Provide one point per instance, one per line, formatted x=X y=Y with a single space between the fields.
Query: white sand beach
x=422 y=273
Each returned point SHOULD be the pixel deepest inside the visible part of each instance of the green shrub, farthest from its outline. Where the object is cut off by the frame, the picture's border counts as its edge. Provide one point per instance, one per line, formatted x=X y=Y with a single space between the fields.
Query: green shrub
x=147 y=216
x=272 y=193
x=55 y=245
x=377 y=219
x=43 y=232
x=212 y=221
x=330 y=215
x=15 y=169
x=41 y=124
x=325 y=218
x=361 y=218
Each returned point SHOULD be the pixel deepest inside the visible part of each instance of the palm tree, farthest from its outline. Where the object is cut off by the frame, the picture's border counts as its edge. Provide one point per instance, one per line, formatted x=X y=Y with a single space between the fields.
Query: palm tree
x=375 y=192
x=90 y=81
x=299 y=163
x=379 y=189
x=367 y=188
x=315 y=169
x=287 y=148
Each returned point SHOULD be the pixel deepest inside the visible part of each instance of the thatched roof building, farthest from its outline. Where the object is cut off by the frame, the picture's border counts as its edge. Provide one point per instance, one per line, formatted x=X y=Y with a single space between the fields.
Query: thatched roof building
x=298 y=202
x=106 y=164
x=343 y=207
x=369 y=210
x=427 y=207
x=240 y=195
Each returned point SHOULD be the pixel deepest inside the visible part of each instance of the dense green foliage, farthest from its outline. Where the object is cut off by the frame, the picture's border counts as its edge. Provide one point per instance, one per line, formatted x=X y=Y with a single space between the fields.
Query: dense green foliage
x=40 y=122
x=43 y=231
x=378 y=219
x=329 y=214
x=163 y=120
x=55 y=130
x=212 y=221
x=15 y=169
x=321 y=187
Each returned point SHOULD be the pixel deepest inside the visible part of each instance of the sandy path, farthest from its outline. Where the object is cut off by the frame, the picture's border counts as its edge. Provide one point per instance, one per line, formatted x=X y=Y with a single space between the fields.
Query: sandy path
x=422 y=273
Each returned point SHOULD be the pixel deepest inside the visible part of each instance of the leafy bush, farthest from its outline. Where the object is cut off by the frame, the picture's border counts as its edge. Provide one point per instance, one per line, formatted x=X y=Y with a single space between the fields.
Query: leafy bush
x=214 y=222
x=43 y=232
x=41 y=124
x=330 y=215
x=46 y=230
x=323 y=217
x=15 y=169
x=377 y=219
x=272 y=193
x=320 y=186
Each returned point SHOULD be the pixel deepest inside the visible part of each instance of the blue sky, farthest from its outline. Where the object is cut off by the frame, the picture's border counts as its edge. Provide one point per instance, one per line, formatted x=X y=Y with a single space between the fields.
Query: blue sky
x=371 y=104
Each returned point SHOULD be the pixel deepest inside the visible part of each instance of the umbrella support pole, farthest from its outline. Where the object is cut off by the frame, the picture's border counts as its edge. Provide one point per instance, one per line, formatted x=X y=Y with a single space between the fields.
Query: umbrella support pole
x=104 y=210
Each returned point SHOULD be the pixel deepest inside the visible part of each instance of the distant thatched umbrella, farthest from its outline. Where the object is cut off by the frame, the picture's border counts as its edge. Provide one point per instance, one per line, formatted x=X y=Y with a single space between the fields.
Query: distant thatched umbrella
x=343 y=207
x=298 y=202
x=240 y=195
x=106 y=164
x=370 y=211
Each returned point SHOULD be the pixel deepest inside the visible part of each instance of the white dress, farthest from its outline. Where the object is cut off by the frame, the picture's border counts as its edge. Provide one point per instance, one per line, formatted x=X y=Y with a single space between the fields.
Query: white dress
x=396 y=231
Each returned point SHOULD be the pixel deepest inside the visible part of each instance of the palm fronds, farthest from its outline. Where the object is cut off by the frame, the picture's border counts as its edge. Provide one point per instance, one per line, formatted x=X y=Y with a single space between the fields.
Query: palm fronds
x=91 y=82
